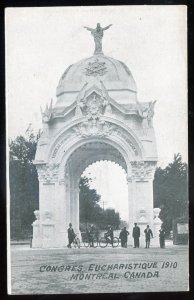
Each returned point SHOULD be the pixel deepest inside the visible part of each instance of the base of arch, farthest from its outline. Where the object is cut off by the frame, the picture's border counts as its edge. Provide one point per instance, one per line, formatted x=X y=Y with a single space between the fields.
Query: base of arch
x=47 y=235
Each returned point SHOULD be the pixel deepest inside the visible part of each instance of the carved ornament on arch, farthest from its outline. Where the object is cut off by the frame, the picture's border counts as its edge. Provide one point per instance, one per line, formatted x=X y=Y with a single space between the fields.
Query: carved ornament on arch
x=142 y=169
x=68 y=134
x=89 y=129
x=122 y=134
x=99 y=129
x=94 y=105
x=48 y=172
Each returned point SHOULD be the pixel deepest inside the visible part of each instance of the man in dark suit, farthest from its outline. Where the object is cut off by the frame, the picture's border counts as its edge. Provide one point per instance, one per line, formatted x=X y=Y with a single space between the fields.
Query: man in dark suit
x=136 y=235
x=162 y=237
x=71 y=235
x=110 y=234
x=123 y=236
x=148 y=235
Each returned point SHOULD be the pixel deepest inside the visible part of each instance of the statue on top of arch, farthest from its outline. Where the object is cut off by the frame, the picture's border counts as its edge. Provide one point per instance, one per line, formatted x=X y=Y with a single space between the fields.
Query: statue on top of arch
x=98 y=33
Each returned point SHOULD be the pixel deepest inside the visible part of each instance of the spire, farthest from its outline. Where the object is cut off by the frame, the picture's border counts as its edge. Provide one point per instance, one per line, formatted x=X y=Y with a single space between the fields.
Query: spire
x=47 y=113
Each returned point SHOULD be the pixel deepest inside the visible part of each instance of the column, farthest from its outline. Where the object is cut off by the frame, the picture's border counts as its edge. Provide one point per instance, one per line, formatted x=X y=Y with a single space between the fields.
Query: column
x=142 y=177
x=131 y=208
x=61 y=214
x=75 y=206
x=77 y=210
x=48 y=177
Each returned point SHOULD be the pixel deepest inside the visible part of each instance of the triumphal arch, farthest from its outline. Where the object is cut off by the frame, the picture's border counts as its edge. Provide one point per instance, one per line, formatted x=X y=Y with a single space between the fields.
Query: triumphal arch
x=97 y=116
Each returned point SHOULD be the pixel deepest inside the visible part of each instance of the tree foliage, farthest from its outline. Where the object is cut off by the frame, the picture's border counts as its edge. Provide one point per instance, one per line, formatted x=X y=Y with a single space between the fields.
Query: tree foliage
x=24 y=187
x=170 y=191
x=91 y=211
x=89 y=199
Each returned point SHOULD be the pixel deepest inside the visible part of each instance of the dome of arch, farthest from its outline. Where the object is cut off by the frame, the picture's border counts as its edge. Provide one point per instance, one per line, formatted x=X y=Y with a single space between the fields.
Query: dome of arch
x=114 y=74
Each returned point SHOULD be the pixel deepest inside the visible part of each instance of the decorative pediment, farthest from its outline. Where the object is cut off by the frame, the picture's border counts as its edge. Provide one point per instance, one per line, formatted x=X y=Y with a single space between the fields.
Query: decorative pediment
x=92 y=102
x=92 y=89
x=94 y=105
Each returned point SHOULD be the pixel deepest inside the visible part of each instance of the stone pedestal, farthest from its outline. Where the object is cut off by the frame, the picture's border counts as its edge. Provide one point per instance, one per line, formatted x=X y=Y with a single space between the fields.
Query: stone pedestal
x=36 y=241
x=157 y=226
x=48 y=231
x=48 y=235
x=142 y=223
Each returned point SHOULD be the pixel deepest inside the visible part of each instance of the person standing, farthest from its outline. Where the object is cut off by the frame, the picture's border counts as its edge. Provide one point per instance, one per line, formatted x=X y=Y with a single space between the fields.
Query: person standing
x=136 y=235
x=121 y=238
x=71 y=235
x=110 y=234
x=148 y=235
x=125 y=237
x=162 y=238
x=92 y=235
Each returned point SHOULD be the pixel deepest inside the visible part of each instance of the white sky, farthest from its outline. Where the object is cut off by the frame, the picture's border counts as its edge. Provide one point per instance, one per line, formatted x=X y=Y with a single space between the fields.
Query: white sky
x=151 y=40
x=109 y=179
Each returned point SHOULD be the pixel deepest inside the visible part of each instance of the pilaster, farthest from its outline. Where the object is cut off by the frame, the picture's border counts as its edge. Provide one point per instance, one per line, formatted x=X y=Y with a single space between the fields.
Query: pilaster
x=142 y=174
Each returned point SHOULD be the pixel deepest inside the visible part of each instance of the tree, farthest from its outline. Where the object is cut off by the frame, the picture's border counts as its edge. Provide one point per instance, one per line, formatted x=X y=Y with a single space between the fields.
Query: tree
x=91 y=211
x=89 y=207
x=123 y=224
x=110 y=217
x=24 y=187
x=170 y=191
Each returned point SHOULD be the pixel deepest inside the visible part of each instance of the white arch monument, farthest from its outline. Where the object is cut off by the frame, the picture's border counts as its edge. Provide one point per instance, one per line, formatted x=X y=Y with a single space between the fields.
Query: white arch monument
x=96 y=117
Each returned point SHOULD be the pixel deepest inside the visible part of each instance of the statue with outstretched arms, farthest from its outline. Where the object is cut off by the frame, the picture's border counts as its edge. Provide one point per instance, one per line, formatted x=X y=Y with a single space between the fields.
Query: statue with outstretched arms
x=98 y=33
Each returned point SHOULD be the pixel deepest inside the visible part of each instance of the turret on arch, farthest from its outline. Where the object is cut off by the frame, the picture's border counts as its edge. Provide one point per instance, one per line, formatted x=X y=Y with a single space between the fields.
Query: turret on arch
x=96 y=117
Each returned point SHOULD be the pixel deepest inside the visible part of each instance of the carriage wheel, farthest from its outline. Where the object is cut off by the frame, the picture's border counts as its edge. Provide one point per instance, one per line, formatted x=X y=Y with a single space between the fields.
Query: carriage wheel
x=103 y=242
x=95 y=243
x=78 y=243
x=115 y=242
x=86 y=244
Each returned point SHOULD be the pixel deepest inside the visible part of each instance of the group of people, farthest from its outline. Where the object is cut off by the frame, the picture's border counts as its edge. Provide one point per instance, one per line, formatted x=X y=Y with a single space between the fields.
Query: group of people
x=91 y=233
x=136 y=235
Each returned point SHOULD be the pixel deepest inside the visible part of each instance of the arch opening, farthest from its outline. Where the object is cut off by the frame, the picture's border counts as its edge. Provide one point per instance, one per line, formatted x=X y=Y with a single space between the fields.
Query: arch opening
x=111 y=169
x=103 y=197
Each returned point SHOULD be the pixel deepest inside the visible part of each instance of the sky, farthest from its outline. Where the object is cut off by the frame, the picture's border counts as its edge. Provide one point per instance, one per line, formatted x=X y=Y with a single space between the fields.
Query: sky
x=114 y=191
x=42 y=42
